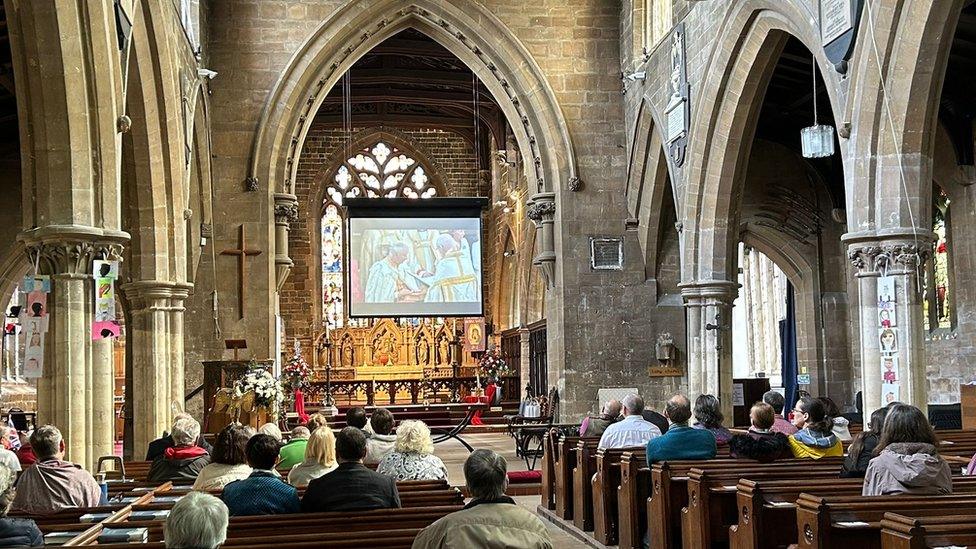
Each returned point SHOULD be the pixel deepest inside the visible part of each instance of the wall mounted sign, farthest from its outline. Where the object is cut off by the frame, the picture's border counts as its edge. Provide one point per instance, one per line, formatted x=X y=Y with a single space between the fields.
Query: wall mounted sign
x=678 y=112
x=839 y=20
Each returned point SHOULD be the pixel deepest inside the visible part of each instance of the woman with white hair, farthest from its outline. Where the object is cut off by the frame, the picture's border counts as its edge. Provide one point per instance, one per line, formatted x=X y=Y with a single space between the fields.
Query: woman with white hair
x=320 y=458
x=15 y=532
x=197 y=521
x=185 y=459
x=272 y=430
x=413 y=455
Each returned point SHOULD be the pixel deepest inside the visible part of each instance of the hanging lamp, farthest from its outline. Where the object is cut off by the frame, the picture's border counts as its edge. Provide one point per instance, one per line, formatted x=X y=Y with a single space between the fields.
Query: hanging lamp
x=817 y=141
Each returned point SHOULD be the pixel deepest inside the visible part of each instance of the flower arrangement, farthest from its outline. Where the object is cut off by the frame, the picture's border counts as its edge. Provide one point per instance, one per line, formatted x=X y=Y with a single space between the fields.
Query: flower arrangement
x=296 y=373
x=267 y=389
x=492 y=365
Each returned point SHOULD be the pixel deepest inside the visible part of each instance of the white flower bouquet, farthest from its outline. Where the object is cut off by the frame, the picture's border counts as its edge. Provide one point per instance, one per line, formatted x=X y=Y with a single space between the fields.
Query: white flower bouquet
x=267 y=389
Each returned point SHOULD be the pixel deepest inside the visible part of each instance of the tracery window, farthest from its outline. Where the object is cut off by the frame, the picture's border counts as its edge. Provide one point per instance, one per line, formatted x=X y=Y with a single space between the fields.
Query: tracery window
x=379 y=170
x=939 y=310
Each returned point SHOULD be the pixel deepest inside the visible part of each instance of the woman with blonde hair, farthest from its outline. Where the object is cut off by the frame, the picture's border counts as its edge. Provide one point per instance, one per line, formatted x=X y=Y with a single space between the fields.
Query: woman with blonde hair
x=413 y=455
x=320 y=458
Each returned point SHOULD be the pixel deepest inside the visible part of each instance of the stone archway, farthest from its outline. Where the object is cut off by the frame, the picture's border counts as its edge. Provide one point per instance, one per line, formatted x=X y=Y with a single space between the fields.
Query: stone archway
x=474 y=35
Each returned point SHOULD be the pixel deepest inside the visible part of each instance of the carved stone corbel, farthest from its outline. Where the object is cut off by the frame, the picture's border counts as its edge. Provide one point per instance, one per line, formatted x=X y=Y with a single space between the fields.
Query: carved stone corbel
x=541 y=209
x=285 y=212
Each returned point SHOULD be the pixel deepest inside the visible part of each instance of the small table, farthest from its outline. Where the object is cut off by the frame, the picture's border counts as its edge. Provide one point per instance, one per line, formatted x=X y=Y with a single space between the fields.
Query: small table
x=455 y=432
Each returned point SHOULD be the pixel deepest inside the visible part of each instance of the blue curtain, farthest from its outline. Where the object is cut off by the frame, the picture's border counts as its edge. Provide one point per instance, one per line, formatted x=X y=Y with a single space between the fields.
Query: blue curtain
x=787 y=346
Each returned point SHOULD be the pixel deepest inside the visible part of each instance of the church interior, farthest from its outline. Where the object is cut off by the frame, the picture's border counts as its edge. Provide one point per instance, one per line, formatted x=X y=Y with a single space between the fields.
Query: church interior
x=517 y=223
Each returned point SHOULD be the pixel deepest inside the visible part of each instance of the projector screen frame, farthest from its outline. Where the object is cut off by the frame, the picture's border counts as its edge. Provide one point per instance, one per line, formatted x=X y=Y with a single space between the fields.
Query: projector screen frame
x=408 y=208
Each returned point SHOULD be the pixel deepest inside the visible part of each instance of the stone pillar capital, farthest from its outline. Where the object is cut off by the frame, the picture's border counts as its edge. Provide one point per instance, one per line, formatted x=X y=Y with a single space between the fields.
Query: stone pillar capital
x=68 y=250
x=541 y=209
x=156 y=294
x=700 y=293
x=285 y=208
x=888 y=253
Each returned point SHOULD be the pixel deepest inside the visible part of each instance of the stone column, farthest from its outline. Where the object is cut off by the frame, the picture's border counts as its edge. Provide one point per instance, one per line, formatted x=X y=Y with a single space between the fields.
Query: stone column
x=525 y=351
x=71 y=394
x=709 y=313
x=900 y=260
x=285 y=213
x=542 y=211
x=156 y=310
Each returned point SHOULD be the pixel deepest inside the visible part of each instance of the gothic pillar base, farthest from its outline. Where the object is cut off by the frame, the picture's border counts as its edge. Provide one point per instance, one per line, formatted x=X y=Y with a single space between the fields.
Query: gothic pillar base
x=709 y=313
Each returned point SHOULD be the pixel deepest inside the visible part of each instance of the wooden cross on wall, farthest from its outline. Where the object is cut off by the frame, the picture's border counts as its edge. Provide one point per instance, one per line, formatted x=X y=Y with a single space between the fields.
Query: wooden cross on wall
x=241 y=252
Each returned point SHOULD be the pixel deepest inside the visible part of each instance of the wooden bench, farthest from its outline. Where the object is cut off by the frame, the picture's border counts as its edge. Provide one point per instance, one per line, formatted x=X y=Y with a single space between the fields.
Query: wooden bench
x=855 y=521
x=605 y=485
x=712 y=506
x=582 y=486
x=564 y=461
x=920 y=532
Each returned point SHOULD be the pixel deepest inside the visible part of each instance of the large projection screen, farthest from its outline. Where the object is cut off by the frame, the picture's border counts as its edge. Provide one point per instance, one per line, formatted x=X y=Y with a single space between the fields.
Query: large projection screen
x=414 y=258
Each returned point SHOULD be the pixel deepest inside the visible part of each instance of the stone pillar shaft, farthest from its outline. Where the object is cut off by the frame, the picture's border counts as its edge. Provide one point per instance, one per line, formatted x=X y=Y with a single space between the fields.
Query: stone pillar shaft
x=709 y=313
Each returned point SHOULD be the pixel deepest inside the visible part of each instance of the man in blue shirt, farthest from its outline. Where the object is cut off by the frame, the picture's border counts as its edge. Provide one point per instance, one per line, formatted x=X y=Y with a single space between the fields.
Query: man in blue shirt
x=681 y=441
x=262 y=493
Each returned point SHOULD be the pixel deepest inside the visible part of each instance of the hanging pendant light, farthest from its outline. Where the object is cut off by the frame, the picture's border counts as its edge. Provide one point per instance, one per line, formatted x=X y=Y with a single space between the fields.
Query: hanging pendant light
x=817 y=140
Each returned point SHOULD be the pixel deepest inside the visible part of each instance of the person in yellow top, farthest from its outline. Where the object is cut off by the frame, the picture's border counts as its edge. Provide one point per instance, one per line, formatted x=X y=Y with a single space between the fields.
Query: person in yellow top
x=814 y=439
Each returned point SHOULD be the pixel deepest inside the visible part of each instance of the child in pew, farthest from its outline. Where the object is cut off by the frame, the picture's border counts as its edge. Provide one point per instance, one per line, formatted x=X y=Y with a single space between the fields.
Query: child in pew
x=761 y=443
x=861 y=452
x=908 y=459
x=815 y=438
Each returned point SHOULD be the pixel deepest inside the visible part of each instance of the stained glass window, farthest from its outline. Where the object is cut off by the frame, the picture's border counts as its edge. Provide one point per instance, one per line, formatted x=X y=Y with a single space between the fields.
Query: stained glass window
x=938 y=304
x=380 y=170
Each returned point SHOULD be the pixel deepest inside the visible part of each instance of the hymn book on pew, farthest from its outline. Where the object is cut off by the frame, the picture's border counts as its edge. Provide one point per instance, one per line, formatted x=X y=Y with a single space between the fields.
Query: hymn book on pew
x=123 y=535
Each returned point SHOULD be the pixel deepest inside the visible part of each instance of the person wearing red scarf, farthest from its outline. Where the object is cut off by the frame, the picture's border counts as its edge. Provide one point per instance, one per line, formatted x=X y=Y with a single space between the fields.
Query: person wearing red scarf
x=185 y=459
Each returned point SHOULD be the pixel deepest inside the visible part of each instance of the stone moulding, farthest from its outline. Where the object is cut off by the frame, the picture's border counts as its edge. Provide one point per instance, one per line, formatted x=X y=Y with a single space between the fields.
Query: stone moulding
x=285 y=213
x=70 y=249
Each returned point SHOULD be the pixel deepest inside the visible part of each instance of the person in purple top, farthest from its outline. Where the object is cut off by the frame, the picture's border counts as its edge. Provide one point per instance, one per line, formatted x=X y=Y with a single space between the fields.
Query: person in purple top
x=709 y=416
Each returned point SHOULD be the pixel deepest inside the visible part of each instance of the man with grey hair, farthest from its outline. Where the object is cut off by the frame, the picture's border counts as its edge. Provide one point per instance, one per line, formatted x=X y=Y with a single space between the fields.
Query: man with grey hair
x=454 y=278
x=633 y=429
x=158 y=446
x=185 y=459
x=388 y=280
x=595 y=426
x=491 y=520
x=53 y=484
x=681 y=441
x=197 y=521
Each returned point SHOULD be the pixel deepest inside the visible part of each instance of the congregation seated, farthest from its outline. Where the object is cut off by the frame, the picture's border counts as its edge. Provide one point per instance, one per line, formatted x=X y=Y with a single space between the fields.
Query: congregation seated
x=293 y=452
x=413 y=456
x=185 y=459
x=53 y=484
x=633 y=429
x=708 y=415
x=320 y=459
x=263 y=492
x=25 y=453
x=381 y=441
x=862 y=447
x=780 y=424
x=272 y=430
x=841 y=425
x=594 y=426
x=908 y=460
x=15 y=532
x=356 y=417
x=196 y=521
x=681 y=441
x=7 y=457
x=761 y=443
x=228 y=461
x=352 y=486
x=158 y=446
x=491 y=520
x=814 y=437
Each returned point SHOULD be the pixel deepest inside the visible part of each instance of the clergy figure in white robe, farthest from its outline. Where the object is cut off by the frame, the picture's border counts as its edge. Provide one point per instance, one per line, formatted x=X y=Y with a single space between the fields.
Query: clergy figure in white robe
x=454 y=278
x=388 y=281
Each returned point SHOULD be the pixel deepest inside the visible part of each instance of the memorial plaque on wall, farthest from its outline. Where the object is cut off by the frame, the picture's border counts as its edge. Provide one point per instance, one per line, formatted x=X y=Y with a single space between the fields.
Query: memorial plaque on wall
x=606 y=254
x=838 y=29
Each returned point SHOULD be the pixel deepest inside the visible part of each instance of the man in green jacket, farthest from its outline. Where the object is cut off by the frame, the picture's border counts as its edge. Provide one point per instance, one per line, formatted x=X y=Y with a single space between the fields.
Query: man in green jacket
x=293 y=453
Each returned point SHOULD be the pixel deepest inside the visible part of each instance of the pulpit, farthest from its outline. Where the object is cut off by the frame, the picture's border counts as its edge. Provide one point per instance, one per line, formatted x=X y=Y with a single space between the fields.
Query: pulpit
x=220 y=374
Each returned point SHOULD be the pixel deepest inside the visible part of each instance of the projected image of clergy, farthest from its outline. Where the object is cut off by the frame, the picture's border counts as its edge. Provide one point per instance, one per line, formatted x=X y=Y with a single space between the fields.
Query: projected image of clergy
x=410 y=267
x=413 y=266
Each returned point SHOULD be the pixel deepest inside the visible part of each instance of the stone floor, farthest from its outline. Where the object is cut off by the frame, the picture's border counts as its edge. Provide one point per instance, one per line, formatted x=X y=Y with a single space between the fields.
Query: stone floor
x=453 y=454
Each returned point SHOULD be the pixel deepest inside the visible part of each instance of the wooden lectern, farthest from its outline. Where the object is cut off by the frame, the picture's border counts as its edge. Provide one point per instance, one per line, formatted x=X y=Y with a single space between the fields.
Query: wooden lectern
x=219 y=374
x=967 y=394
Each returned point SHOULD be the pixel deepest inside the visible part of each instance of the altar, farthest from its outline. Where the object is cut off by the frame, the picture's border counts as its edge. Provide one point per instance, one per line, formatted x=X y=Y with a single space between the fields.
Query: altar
x=394 y=362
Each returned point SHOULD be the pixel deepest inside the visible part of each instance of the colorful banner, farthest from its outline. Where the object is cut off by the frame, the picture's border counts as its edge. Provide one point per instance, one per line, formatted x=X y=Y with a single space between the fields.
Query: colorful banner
x=105 y=274
x=475 y=340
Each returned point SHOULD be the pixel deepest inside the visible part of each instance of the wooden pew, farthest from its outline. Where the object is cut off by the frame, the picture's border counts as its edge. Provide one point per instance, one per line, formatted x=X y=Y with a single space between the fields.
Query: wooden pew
x=920 y=532
x=635 y=486
x=855 y=521
x=605 y=484
x=712 y=506
x=546 y=467
x=582 y=485
x=564 y=461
